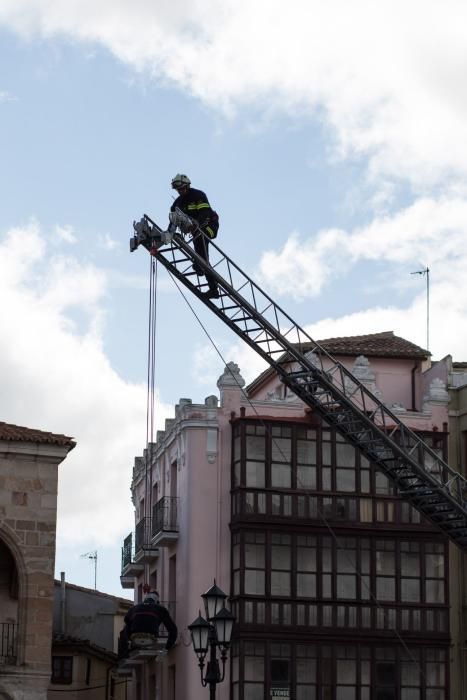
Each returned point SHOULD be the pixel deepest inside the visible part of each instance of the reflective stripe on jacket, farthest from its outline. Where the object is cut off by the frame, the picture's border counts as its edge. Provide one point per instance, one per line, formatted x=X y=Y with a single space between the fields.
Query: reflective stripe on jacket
x=195 y=204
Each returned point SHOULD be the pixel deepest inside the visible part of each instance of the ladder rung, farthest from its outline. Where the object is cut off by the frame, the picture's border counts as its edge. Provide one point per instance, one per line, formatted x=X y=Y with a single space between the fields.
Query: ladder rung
x=400 y=460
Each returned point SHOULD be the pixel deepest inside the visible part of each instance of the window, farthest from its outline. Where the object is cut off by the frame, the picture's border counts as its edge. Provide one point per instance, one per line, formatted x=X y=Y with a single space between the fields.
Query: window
x=255 y=474
x=346 y=673
x=337 y=671
x=255 y=446
x=385 y=674
x=364 y=475
x=280 y=565
x=345 y=465
x=255 y=563
x=255 y=443
x=306 y=567
x=326 y=567
x=306 y=668
x=410 y=572
x=62 y=670
x=253 y=671
x=434 y=572
x=385 y=570
x=281 y=458
x=280 y=667
x=410 y=675
x=400 y=583
x=306 y=462
x=382 y=483
x=236 y=563
x=346 y=578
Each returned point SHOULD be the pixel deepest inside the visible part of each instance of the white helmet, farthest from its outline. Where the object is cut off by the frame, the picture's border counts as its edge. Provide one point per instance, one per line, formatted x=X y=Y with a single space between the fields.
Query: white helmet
x=151 y=598
x=179 y=180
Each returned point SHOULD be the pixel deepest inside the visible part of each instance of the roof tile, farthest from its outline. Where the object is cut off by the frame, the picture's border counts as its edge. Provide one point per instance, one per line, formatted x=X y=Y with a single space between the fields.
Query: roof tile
x=384 y=344
x=18 y=433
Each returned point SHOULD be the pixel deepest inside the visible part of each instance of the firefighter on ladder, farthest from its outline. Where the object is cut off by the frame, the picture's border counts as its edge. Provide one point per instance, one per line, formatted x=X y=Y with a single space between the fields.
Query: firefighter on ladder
x=195 y=204
x=143 y=620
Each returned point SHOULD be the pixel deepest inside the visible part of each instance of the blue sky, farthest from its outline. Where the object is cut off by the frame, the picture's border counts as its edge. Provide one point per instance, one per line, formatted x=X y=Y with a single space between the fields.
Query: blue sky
x=331 y=140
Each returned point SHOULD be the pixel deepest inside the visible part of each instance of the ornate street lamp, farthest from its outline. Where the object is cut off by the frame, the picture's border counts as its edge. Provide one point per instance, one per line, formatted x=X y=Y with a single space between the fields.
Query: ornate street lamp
x=211 y=634
x=213 y=601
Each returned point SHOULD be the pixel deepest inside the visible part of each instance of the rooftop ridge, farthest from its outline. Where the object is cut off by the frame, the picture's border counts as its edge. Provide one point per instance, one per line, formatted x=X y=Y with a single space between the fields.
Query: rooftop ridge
x=19 y=433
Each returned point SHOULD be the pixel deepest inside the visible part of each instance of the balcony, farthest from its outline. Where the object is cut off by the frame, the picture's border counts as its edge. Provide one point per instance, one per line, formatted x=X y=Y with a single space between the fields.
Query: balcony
x=130 y=567
x=355 y=510
x=360 y=618
x=165 y=522
x=8 y=642
x=145 y=549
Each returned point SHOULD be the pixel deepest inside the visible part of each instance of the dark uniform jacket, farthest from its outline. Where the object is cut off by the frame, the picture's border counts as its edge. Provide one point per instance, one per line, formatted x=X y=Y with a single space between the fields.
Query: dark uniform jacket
x=147 y=618
x=196 y=205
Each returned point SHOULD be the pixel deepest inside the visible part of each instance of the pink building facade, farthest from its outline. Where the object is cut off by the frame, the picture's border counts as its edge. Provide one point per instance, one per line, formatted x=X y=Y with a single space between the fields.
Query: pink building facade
x=340 y=589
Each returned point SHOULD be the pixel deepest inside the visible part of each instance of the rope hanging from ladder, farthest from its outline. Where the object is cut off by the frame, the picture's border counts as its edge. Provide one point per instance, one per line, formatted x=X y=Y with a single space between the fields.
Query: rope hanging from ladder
x=150 y=396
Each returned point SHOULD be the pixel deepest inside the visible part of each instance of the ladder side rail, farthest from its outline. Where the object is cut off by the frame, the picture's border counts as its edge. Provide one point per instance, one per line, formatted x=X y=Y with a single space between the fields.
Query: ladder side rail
x=181 y=243
x=398 y=456
x=409 y=439
x=409 y=442
x=378 y=434
x=276 y=335
x=366 y=397
x=242 y=303
x=236 y=328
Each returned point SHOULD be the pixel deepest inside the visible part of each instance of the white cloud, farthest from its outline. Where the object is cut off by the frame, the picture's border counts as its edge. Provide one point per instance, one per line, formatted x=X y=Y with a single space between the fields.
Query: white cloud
x=430 y=231
x=6 y=96
x=65 y=233
x=209 y=364
x=387 y=76
x=56 y=378
x=107 y=242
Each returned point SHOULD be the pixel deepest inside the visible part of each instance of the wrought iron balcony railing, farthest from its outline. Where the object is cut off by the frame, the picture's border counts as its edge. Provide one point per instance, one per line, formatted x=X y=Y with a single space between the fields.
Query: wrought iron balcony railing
x=128 y=551
x=165 y=521
x=145 y=550
x=130 y=567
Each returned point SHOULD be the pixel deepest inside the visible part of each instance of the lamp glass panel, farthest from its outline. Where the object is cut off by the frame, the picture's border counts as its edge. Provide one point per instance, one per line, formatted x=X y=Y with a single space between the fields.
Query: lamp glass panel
x=223 y=630
x=213 y=602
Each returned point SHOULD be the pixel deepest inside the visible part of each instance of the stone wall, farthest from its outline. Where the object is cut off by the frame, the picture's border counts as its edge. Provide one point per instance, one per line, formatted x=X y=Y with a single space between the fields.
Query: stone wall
x=28 y=513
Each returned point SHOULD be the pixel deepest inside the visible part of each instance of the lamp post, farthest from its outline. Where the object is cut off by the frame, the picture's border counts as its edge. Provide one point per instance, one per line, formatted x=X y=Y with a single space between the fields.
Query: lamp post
x=211 y=634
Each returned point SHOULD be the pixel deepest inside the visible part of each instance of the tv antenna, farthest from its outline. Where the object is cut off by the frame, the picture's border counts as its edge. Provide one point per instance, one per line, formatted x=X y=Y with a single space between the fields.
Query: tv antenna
x=93 y=556
x=426 y=273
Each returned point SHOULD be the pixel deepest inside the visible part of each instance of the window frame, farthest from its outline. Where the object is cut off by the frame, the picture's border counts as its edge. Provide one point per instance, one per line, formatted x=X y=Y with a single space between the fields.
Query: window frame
x=62 y=677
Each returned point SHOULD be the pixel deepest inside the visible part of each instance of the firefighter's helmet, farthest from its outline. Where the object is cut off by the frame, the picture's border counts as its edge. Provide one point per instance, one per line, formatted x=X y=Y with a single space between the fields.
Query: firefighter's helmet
x=180 y=181
x=151 y=598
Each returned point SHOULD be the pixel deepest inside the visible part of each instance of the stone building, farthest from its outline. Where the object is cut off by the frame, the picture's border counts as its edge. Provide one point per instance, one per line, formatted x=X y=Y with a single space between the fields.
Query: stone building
x=86 y=627
x=29 y=461
x=341 y=590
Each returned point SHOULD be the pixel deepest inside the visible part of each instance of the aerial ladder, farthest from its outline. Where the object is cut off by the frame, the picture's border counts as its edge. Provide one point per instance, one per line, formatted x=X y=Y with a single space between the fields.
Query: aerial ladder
x=421 y=477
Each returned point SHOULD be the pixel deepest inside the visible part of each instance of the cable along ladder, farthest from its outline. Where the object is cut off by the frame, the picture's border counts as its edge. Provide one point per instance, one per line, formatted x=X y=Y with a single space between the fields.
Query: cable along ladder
x=421 y=477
